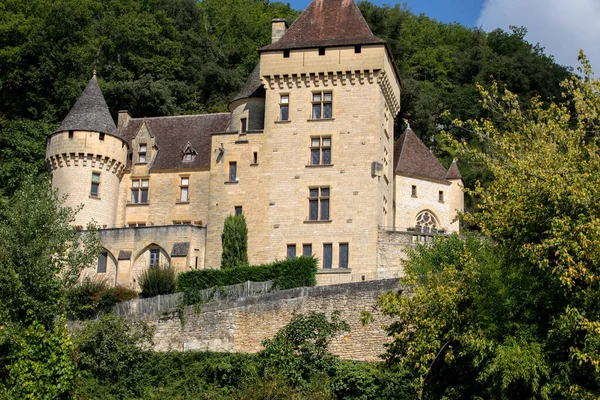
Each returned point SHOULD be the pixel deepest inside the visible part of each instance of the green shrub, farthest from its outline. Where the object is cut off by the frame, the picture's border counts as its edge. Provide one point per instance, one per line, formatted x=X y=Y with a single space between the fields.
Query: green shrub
x=234 y=241
x=157 y=281
x=287 y=274
x=91 y=297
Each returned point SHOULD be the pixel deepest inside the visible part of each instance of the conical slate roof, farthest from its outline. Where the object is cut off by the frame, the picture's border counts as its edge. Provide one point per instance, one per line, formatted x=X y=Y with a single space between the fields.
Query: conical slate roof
x=90 y=112
x=413 y=158
x=453 y=172
x=327 y=23
x=253 y=86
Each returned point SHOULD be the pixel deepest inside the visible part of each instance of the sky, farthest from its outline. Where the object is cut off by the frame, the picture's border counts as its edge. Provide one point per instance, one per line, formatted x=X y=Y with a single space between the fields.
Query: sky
x=561 y=27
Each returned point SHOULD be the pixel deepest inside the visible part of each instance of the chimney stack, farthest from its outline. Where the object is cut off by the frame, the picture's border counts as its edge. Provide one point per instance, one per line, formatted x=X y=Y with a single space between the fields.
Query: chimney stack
x=278 y=28
x=124 y=118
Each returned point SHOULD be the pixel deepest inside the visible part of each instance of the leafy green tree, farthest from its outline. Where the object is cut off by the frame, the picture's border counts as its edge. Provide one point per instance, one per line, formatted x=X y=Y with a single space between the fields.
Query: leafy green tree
x=515 y=314
x=299 y=351
x=234 y=240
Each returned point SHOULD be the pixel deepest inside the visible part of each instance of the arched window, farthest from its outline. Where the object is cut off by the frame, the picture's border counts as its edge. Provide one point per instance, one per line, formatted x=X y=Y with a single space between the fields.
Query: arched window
x=426 y=222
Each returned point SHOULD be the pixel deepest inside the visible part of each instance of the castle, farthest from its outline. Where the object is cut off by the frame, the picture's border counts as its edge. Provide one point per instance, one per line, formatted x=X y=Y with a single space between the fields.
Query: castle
x=306 y=154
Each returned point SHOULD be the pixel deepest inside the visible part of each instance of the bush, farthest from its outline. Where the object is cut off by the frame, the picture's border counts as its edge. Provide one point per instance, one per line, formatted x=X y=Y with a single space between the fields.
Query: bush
x=91 y=297
x=157 y=281
x=287 y=274
x=234 y=240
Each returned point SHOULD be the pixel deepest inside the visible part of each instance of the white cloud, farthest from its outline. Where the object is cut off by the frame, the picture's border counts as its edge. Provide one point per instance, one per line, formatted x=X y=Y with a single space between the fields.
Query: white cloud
x=561 y=27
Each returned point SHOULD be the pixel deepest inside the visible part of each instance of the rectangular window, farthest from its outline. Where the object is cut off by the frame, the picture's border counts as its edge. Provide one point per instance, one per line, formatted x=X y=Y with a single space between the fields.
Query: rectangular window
x=291 y=250
x=102 y=259
x=322 y=105
x=244 y=125
x=357 y=48
x=414 y=191
x=441 y=196
x=184 y=189
x=320 y=150
x=154 y=257
x=318 y=204
x=255 y=157
x=70 y=134
x=139 y=191
x=321 y=51
x=307 y=250
x=95 y=188
x=327 y=255
x=286 y=54
x=238 y=210
x=232 y=171
x=343 y=255
x=101 y=136
x=284 y=107
x=142 y=153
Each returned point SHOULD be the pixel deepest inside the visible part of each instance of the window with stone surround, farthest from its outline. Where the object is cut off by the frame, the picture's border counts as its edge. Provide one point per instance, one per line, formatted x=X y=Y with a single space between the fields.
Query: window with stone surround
x=139 y=191
x=426 y=222
x=307 y=249
x=318 y=203
x=327 y=255
x=102 y=261
x=184 y=188
x=142 y=153
x=233 y=171
x=291 y=250
x=95 y=186
x=154 y=257
x=284 y=107
x=322 y=105
x=238 y=210
x=320 y=150
x=343 y=255
x=243 y=125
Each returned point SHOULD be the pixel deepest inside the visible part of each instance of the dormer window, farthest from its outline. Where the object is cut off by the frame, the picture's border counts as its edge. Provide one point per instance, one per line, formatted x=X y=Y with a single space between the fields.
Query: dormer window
x=189 y=154
x=142 y=153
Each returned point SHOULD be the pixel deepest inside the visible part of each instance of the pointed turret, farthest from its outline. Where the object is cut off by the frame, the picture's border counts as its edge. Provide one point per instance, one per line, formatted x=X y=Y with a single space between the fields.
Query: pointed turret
x=453 y=172
x=90 y=112
x=327 y=23
x=413 y=158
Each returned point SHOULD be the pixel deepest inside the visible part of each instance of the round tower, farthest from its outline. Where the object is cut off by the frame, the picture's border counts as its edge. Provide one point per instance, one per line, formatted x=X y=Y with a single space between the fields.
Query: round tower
x=248 y=107
x=86 y=157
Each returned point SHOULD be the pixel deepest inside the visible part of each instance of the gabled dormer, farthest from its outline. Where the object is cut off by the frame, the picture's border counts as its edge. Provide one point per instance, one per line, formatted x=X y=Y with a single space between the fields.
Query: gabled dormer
x=144 y=150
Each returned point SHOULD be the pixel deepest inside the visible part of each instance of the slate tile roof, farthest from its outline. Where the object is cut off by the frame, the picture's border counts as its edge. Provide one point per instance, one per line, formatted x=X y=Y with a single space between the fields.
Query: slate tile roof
x=180 y=249
x=90 y=112
x=253 y=86
x=413 y=158
x=172 y=135
x=327 y=23
x=453 y=172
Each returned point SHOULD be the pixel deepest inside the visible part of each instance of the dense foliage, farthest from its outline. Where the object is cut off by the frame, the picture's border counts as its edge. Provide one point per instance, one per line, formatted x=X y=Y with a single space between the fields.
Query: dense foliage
x=234 y=242
x=91 y=297
x=157 y=281
x=41 y=254
x=517 y=314
x=286 y=274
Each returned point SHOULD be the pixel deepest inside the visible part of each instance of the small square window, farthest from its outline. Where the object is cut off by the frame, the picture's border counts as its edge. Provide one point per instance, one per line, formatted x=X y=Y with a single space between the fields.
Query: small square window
x=307 y=250
x=101 y=136
x=286 y=54
x=321 y=51
x=357 y=48
x=291 y=250
x=70 y=134
x=238 y=210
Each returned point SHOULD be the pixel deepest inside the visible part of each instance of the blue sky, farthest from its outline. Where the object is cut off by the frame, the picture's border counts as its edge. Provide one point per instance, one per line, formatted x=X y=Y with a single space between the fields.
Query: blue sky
x=464 y=11
x=561 y=27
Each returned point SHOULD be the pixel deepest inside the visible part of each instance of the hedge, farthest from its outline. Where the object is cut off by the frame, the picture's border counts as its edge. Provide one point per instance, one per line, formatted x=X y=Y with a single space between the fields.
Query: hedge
x=287 y=274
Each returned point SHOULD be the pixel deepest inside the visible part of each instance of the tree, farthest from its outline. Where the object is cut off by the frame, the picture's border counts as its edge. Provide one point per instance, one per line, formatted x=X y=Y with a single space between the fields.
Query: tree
x=41 y=255
x=517 y=313
x=235 y=242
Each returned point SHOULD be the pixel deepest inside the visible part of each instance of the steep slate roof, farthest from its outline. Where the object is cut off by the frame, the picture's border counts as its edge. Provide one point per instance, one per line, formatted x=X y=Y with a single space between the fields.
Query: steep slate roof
x=90 y=112
x=413 y=158
x=453 y=172
x=327 y=23
x=172 y=135
x=253 y=86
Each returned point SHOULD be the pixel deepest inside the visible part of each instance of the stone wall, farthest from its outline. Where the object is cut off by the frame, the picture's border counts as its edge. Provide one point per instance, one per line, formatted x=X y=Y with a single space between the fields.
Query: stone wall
x=241 y=325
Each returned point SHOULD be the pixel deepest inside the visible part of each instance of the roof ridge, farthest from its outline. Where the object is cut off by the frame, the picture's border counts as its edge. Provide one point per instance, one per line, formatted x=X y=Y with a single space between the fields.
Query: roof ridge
x=180 y=116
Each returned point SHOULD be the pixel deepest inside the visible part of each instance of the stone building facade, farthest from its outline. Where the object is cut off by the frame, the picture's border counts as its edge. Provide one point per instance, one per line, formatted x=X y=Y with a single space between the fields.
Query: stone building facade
x=306 y=153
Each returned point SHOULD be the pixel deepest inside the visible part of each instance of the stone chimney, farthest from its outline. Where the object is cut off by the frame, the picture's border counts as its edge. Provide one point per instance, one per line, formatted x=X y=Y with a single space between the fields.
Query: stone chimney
x=124 y=118
x=278 y=28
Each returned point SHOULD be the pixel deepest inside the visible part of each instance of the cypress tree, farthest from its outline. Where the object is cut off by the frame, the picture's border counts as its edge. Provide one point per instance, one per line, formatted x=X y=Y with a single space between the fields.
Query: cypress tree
x=234 y=240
